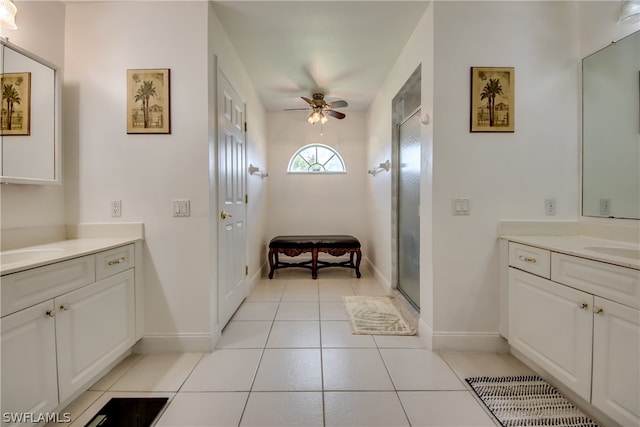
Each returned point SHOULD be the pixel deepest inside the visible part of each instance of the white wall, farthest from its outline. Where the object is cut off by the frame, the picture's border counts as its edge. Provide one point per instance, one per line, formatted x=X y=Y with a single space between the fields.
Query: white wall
x=505 y=175
x=317 y=204
x=40 y=31
x=418 y=51
x=147 y=172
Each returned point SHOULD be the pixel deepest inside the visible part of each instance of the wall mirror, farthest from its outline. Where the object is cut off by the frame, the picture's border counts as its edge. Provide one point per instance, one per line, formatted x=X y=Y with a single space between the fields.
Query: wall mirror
x=611 y=130
x=29 y=118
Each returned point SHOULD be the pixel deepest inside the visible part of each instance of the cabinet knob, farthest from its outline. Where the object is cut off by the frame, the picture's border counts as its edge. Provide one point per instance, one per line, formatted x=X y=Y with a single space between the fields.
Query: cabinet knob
x=583 y=305
x=51 y=313
x=65 y=307
x=527 y=259
x=598 y=310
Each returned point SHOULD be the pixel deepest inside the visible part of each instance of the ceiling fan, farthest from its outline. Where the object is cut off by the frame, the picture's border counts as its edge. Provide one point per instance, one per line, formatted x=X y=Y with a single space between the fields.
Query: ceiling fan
x=320 y=109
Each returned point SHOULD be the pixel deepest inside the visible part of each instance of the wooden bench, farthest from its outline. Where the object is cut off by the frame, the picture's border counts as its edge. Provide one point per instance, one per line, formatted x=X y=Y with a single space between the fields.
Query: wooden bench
x=293 y=246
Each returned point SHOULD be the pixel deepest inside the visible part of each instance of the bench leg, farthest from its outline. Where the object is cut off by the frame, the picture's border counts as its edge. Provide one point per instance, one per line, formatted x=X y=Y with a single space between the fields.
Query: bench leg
x=271 y=263
x=314 y=263
x=358 y=259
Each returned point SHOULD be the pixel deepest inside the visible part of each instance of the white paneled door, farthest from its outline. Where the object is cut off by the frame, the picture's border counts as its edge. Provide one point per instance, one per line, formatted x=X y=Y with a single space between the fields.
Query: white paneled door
x=231 y=200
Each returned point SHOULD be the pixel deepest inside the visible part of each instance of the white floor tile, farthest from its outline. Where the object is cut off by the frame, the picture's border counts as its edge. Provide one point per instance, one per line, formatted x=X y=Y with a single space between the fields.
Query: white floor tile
x=294 y=334
x=283 y=409
x=158 y=372
x=256 y=311
x=300 y=292
x=354 y=369
x=338 y=334
x=398 y=341
x=467 y=365
x=332 y=310
x=417 y=369
x=224 y=370
x=204 y=409
x=78 y=406
x=87 y=415
x=335 y=292
x=116 y=373
x=266 y=294
x=289 y=370
x=444 y=408
x=298 y=311
x=245 y=334
x=371 y=408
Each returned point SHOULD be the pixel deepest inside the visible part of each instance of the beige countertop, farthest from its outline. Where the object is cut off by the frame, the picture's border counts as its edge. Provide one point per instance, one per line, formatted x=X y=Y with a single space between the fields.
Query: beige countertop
x=609 y=251
x=16 y=260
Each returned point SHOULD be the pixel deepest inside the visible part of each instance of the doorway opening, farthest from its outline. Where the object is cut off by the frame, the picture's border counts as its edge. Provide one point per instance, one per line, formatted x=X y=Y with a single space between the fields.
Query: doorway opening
x=406 y=144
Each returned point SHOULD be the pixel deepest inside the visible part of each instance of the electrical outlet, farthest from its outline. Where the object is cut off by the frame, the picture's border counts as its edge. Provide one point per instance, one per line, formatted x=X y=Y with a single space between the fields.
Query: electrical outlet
x=550 y=206
x=605 y=207
x=116 y=208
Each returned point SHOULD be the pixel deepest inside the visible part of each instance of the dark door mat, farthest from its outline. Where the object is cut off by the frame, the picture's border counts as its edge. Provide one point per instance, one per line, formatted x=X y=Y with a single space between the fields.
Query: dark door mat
x=128 y=412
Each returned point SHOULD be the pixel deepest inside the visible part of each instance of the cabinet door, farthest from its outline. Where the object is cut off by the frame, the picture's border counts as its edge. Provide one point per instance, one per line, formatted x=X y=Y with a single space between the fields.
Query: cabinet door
x=552 y=325
x=616 y=361
x=29 y=382
x=95 y=325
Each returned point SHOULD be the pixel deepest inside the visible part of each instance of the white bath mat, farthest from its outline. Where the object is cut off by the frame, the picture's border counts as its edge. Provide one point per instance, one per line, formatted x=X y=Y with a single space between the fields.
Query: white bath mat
x=376 y=316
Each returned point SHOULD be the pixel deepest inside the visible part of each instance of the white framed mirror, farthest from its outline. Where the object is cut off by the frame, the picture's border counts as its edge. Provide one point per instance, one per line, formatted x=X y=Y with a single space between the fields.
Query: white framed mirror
x=29 y=118
x=611 y=130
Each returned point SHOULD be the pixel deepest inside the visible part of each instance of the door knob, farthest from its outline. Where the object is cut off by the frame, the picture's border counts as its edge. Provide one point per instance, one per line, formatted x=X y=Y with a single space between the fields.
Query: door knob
x=225 y=215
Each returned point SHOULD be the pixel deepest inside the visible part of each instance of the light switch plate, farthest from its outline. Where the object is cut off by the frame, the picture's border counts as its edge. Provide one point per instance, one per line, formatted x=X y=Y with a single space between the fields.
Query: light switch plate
x=181 y=207
x=461 y=207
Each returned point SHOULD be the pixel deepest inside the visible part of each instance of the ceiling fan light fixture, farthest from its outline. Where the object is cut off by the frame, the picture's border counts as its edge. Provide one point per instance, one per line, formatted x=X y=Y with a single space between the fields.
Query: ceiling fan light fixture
x=316 y=116
x=8 y=12
x=629 y=11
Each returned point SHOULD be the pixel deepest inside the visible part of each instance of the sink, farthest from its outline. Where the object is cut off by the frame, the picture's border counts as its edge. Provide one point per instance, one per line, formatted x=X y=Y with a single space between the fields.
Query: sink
x=621 y=252
x=25 y=255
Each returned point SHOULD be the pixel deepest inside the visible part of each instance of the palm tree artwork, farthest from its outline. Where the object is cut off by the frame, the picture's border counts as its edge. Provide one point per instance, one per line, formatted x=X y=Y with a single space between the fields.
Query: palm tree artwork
x=15 y=102
x=148 y=101
x=11 y=96
x=489 y=92
x=492 y=99
x=145 y=91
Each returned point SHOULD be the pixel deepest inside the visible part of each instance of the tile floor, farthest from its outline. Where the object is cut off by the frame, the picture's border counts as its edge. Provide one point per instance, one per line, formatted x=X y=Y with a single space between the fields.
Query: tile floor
x=288 y=358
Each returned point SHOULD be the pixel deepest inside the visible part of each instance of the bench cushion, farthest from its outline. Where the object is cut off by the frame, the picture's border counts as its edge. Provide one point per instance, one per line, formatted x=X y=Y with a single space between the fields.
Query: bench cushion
x=312 y=241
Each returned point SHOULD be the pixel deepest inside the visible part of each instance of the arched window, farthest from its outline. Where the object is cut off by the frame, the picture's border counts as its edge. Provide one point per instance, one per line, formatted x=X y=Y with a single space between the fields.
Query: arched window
x=316 y=158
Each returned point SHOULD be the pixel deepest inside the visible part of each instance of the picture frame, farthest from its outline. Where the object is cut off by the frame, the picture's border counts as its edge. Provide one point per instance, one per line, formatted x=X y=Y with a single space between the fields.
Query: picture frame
x=492 y=99
x=148 y=101
x=15 y=114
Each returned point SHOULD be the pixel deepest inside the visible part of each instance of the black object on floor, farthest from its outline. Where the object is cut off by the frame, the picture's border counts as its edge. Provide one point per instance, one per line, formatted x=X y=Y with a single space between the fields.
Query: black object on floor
x=128 y=412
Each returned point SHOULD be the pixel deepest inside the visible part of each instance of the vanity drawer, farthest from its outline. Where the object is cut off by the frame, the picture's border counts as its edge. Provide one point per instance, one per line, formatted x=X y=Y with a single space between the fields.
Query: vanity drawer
x=531 y=259
x=30 y=287
x=114 y=261
x=619 y=284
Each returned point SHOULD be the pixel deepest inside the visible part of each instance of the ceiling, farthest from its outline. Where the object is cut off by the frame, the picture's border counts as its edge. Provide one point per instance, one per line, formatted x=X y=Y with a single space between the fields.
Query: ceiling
x=344 y=49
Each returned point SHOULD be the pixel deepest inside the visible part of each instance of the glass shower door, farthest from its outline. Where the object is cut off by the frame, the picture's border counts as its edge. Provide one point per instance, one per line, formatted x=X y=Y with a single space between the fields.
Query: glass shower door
x=408 y=208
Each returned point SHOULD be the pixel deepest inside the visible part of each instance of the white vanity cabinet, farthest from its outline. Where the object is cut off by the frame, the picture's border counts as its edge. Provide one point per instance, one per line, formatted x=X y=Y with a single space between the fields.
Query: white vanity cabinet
x=579 y=320
x=94 y=326
x=62 y=325
x=29 y=377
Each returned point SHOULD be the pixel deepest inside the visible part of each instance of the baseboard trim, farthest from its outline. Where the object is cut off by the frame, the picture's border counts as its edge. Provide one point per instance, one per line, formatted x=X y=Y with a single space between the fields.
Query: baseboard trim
x=461 y=341
x=382 y=280
x=177 y=343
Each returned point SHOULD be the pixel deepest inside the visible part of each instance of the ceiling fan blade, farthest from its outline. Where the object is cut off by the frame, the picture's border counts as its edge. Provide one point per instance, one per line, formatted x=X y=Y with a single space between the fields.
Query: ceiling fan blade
x=337 y=104
x=308 y=101
x=296 y=109
x=336 y=114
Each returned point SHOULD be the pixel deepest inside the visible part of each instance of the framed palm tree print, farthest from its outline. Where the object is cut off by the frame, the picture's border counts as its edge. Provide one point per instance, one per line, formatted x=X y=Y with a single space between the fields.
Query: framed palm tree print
x=148 y=101
x=492 y=99
x=15 y=118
